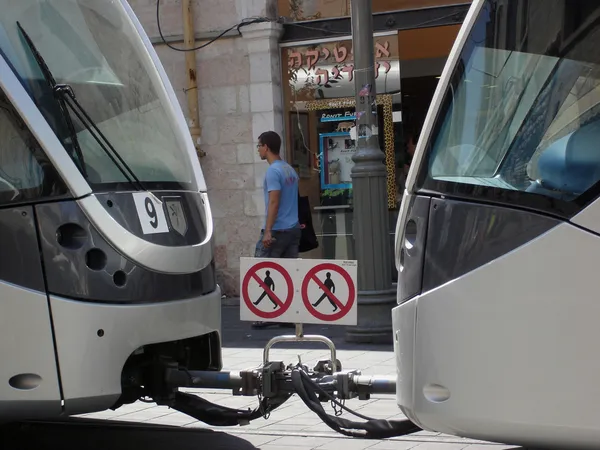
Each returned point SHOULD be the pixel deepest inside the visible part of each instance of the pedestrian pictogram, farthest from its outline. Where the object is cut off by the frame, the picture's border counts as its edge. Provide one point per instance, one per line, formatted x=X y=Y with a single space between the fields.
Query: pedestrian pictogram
x=330 y=290
x=267 y=290
x=329 y=293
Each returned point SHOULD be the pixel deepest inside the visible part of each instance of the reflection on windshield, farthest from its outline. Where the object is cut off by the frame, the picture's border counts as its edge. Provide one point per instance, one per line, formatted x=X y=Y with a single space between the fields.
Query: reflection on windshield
x=496 y=95
x=92 y=46
x=519 y=115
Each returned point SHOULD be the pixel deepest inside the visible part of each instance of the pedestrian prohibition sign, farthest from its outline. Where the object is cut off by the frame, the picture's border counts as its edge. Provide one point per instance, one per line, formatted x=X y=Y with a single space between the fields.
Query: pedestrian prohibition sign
x=267 y=291
x=329 y=293
x=298 y=290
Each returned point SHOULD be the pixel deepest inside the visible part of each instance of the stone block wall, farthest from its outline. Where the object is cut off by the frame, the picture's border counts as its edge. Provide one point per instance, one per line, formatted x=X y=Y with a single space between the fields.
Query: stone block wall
x=239 y=97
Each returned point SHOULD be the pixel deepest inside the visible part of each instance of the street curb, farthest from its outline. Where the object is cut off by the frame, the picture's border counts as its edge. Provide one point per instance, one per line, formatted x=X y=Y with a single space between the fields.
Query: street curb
x=230 y=301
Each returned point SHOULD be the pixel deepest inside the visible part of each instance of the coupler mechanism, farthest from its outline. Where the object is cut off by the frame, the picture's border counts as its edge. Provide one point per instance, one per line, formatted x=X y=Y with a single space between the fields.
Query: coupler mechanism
x=274 y=383
x=274 y=379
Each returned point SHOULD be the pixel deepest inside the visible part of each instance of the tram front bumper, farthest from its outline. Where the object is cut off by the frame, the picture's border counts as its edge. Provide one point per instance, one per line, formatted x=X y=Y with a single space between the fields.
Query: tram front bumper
x=404 y=322
x=95 y=340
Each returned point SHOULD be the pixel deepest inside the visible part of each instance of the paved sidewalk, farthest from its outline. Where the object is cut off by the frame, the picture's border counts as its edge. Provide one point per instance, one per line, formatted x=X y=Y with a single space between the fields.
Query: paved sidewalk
x=293 y=425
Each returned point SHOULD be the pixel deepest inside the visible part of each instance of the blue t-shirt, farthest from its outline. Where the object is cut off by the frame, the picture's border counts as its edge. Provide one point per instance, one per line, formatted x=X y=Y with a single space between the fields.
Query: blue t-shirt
x=282 y=177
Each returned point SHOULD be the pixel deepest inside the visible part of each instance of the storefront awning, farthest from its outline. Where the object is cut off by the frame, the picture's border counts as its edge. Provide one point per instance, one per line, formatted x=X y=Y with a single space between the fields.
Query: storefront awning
x=388 y=21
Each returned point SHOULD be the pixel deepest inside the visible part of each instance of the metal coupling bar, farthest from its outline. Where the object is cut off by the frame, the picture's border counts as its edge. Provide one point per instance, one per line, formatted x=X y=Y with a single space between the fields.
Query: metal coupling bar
x=301 y=337
x=204 y=379
x=376 y=384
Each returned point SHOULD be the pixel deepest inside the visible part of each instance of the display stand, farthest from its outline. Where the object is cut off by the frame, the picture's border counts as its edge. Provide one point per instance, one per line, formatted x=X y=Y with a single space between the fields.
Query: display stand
x=336 y=150
x=340 y=111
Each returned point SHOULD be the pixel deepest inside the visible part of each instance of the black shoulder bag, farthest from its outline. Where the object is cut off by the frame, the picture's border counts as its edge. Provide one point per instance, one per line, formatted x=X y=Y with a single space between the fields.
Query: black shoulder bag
x=308 y=239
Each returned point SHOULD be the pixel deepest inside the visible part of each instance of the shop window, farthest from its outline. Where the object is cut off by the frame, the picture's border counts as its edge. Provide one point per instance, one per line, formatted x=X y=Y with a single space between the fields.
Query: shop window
x=319 y=98
x=300 y=143
x=319 y=88
x=336 y=145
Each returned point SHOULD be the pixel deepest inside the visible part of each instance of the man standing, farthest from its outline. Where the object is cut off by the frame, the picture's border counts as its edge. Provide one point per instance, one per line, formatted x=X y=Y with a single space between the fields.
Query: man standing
x=280 y=237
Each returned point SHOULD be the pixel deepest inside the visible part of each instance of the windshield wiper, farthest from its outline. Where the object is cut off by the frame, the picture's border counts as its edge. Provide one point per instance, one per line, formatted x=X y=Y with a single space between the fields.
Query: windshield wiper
x=67 y=118
x=65 y=96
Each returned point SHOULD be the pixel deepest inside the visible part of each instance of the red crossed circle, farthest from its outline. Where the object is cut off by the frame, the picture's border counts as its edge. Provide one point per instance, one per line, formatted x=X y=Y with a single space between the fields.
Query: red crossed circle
x=252 y=274
x=343 y=308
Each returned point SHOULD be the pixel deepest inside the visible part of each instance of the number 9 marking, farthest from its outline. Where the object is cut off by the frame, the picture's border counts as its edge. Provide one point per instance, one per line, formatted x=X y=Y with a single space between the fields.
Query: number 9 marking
x=151 y=210
x=150 y=213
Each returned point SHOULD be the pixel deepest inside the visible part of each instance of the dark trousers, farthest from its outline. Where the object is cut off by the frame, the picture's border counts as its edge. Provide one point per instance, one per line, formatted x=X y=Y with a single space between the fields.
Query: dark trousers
x=285 y=244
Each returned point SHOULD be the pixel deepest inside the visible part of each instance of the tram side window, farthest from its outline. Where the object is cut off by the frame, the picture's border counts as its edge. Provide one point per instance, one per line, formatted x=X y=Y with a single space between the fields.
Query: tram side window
x=25 y=173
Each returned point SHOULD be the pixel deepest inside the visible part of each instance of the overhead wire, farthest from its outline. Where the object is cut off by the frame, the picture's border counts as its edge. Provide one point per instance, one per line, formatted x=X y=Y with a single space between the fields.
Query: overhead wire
x=237 y=26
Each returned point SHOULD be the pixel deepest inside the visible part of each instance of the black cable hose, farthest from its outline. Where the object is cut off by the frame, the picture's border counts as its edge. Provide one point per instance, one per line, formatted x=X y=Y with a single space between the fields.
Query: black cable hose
x=372 y=429
x=222 y=416
x=305 y=387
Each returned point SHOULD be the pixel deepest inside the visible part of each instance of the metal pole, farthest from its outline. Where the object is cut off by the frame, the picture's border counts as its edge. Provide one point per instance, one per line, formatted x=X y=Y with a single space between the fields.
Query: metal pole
x=190 y=69
x=376 y=296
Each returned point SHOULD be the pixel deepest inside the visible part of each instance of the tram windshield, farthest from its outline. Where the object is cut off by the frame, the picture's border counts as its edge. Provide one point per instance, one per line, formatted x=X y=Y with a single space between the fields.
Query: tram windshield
x=520 y=121
x=93 y=47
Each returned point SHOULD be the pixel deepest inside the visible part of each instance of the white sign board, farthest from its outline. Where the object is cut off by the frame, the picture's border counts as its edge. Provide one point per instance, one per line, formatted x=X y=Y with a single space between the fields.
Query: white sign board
x=298 y=290
x=151 y=213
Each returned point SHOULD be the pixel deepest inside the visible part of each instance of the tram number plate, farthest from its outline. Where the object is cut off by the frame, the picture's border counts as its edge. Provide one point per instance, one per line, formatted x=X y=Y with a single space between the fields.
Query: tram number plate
x=151 y=213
